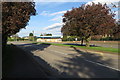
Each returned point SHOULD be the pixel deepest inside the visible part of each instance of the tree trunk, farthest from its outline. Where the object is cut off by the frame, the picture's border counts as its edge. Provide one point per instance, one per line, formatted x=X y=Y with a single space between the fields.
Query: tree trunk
x=87 y=42
x=4 y=42
x=82 y=41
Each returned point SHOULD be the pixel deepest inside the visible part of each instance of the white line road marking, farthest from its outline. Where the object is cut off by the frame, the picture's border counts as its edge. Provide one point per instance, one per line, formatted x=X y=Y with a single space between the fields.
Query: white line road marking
x=90 y=61
x=101 y=64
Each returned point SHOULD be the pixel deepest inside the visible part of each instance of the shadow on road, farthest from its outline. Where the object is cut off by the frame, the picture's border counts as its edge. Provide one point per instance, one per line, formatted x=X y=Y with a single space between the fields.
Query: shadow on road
x=42 y=64
x=77 y=66
x=30 y=47
x=93 y=57
x=18 y=65
x=74 y=66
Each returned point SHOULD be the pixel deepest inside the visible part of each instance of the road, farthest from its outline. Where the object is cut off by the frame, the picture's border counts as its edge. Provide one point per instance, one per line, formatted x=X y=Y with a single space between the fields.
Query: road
x=17 y=64
x=67 y=62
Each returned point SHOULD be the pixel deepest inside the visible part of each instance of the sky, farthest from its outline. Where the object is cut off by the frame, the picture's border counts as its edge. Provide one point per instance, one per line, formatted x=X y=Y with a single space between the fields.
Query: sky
x=49 y=15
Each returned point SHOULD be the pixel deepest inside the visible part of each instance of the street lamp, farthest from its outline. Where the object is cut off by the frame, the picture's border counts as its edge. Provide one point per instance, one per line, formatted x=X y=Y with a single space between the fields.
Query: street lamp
x=33 y=35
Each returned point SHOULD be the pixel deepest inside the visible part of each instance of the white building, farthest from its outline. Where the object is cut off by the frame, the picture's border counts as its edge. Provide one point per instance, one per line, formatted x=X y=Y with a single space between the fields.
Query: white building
x=49 y=39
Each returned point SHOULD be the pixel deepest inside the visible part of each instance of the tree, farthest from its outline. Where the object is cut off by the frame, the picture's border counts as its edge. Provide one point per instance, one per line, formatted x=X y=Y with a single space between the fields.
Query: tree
x=48 y=34
x=88 y=20
x=15 y=16
x=116 y=30
x=64 y=38
x=31 y=37
x=41 y=34
x=15 y=37
x=30 y=34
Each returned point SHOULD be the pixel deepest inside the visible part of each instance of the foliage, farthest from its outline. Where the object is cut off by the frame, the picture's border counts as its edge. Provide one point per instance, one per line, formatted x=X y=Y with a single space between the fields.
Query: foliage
x=116 y=31
x=41 y=34
x=88 y=20
x=64 y=38
x=15 y=16
x=48 y=34
x=15 y=39
x=30 y=34
x=10 y=39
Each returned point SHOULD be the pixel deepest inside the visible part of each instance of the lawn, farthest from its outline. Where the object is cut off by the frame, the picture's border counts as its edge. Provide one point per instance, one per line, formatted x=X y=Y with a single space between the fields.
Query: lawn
x=113 y=50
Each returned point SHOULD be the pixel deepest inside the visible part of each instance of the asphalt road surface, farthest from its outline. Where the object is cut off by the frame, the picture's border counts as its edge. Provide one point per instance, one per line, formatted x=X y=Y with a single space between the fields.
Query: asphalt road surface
x=66 y=62
x=17 y=64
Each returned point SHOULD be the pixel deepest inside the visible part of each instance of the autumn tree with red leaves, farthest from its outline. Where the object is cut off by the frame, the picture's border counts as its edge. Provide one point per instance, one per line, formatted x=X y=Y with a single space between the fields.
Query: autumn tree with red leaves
x=116 y=31
x=15 y=16
x=88 y=20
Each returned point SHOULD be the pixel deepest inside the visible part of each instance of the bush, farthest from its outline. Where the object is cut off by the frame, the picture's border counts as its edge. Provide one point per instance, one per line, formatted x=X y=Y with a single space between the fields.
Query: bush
x=10 y=39
x=106 y=39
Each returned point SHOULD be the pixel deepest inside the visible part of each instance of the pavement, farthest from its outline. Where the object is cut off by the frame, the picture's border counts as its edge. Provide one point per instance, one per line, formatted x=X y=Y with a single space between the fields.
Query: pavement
x=21 y=66
x=68 y=62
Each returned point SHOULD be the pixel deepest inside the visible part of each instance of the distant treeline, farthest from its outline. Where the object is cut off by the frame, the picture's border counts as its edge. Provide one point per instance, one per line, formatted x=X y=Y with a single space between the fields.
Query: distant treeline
x=93 y=38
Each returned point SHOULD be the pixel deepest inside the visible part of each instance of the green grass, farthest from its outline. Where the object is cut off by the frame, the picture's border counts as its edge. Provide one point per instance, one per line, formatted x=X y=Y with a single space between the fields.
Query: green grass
x=113 y=50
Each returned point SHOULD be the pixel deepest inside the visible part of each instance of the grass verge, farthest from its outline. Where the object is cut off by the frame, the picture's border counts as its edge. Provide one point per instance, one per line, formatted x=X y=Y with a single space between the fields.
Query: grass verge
x=113 y=50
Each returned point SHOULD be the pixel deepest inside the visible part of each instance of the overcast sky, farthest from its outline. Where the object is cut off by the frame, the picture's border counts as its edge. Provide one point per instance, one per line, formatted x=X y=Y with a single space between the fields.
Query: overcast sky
x=49 y=15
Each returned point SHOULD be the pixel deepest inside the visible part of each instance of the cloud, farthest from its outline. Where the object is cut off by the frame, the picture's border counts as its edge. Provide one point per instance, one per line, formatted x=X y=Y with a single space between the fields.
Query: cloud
x=61 y=0
x=60 y=12
x=56 y=13
x=44 y=13
x=53 y=26
x=58 y=18
x=108 y=2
